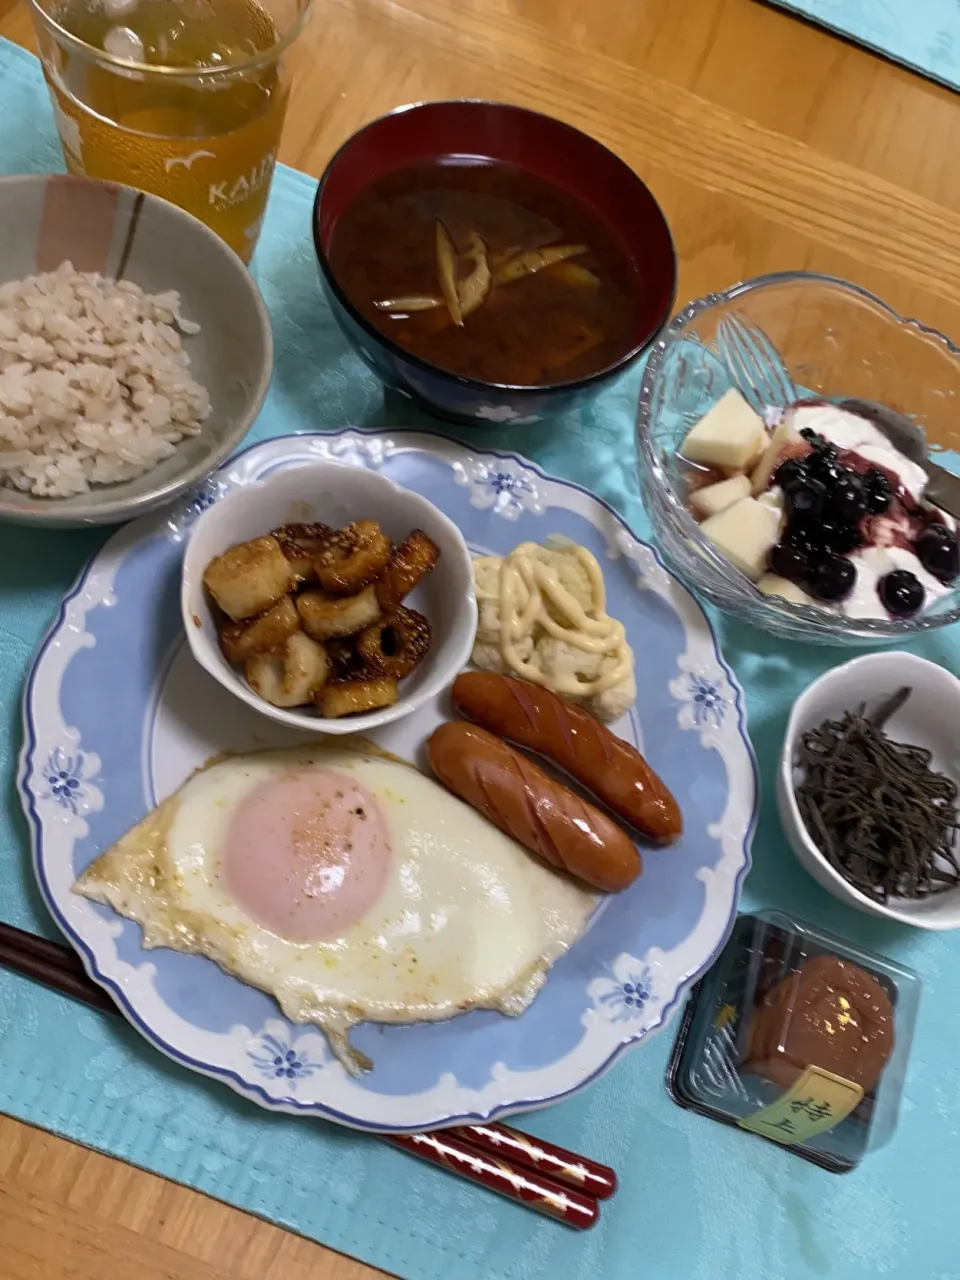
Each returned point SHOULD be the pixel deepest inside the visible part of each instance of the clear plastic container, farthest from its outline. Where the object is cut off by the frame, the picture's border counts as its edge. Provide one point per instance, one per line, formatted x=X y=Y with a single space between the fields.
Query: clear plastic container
x=800 y=1038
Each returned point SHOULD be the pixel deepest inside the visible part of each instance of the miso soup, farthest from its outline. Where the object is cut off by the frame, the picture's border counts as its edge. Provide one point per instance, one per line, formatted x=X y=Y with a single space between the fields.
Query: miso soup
x=486 y=270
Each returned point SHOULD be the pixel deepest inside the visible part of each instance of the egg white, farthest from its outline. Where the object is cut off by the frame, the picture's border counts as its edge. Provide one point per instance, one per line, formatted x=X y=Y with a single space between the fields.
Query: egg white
x=467 y=918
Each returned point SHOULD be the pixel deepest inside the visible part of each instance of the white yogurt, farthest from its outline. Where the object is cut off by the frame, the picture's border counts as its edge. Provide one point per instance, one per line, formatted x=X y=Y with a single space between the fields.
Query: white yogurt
x=874 y=563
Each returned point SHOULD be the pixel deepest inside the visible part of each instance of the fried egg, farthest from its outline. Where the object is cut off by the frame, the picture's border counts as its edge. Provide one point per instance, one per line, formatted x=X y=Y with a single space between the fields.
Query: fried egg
x=345 y=884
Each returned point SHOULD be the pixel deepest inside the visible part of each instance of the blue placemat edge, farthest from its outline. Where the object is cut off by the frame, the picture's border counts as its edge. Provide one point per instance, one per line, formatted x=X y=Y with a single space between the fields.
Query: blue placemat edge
x=933 y=51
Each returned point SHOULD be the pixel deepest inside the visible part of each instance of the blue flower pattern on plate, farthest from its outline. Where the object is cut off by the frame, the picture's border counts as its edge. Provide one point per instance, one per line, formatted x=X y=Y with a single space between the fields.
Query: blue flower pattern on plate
x=625 y=1000
x=64 y=774
x=512 y=492
x=201 y=503
x=509 y=493
x=277 y=1060
x=708 y=702
x=186 y=516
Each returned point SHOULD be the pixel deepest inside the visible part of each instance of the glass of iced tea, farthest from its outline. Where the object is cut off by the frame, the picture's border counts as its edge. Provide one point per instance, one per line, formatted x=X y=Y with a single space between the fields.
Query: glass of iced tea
x=182 y=98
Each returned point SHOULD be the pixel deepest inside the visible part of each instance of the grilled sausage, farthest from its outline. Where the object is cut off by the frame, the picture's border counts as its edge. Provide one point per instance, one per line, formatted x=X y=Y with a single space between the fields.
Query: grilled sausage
x=537 y=811
x=573 y=739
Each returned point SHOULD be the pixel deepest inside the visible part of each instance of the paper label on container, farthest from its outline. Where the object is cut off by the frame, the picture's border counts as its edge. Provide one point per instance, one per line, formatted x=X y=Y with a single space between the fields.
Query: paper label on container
x=814 y=1104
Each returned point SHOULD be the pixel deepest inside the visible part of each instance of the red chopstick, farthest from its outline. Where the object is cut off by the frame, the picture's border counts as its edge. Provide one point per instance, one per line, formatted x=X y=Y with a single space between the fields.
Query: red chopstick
x=504 y=1143
x=546 y=1178
x=541 y=1194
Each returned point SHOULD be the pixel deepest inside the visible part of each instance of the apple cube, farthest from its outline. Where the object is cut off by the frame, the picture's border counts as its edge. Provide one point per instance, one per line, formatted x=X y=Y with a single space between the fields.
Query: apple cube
x=729 y=436
x=772 y=498
x=772 y=584
x=714 y=498
x=744 y=533
x=783 y=442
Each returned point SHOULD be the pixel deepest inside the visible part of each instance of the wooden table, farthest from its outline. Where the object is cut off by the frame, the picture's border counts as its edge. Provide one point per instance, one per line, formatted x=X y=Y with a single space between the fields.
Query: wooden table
x=770 y=145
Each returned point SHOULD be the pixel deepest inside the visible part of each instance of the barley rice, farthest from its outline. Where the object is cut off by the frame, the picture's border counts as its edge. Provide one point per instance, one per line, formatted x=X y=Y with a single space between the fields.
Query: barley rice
x=94 y=382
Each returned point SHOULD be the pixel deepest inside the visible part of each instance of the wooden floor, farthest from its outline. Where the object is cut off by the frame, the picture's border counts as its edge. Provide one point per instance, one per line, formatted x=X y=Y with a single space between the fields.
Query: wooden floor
x=770 y=145
x=69 y=1212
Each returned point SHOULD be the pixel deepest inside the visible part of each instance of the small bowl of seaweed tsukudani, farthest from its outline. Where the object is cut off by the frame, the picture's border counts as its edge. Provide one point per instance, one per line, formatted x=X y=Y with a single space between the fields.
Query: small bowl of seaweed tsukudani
x=869 y=787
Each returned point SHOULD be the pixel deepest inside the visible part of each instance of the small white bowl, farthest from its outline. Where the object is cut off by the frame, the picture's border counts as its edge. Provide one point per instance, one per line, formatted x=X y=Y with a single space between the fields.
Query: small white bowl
x=928 y=719
x=337 y=494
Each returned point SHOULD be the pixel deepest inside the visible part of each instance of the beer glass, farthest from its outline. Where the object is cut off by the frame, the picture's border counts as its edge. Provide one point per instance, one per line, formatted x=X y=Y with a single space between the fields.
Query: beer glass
x=182 y=98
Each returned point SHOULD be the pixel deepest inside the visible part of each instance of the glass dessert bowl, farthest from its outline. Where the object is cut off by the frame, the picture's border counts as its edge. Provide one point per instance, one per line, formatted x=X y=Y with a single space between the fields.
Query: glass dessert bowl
x=837 y=341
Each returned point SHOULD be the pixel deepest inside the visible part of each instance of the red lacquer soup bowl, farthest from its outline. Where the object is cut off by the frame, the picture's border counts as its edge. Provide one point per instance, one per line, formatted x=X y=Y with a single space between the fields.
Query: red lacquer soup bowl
x=548 y=150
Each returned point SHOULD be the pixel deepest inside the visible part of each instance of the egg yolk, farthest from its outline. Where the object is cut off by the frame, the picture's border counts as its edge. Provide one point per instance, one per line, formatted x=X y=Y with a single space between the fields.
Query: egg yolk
x=307 y=854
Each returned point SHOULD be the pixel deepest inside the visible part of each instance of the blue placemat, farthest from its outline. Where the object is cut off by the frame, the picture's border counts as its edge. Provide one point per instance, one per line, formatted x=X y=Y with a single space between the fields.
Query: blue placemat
x=922 y=34
x=697 y=1201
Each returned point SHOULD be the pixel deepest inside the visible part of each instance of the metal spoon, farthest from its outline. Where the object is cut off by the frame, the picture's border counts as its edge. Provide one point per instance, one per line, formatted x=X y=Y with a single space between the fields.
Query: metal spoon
x=909 y=438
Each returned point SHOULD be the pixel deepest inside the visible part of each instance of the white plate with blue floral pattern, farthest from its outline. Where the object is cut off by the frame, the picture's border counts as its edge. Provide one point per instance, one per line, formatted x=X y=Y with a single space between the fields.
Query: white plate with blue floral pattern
x=117 y=714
